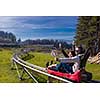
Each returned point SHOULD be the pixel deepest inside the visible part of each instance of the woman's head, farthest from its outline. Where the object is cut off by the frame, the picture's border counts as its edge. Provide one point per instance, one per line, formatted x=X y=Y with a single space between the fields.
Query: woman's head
x=71 y=54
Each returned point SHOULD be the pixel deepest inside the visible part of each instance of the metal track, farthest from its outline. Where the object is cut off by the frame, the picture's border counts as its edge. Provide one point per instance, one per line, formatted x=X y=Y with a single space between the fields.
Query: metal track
x=31 y=65
x=27 y=66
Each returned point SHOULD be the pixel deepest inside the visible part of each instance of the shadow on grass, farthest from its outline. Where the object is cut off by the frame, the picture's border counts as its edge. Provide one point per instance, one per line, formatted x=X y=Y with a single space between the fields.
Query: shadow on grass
x=27 y=57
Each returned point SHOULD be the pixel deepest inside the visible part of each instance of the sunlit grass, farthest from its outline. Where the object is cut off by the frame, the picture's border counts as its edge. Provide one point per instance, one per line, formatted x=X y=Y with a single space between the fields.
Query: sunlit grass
x=94 y=69
x=40 y=59
x=10 y=76
x=6 y=74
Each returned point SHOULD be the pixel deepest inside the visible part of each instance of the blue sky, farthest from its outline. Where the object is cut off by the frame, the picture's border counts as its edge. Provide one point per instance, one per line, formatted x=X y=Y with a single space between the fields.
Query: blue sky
x=40 y=27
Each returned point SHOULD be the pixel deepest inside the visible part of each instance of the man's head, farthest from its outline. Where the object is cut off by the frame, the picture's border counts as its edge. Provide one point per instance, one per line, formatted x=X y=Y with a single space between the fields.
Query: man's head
x=71 y=54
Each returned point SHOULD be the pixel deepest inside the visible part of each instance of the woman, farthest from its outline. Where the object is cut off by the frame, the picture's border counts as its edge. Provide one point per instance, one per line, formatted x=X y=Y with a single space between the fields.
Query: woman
x=79 y=60
x=69 y=64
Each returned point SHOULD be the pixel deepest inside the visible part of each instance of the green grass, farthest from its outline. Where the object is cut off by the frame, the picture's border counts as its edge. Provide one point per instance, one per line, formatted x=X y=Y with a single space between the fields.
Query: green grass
x=40 y=59
x=95 y=69
x=10 y=76
x=6 y=74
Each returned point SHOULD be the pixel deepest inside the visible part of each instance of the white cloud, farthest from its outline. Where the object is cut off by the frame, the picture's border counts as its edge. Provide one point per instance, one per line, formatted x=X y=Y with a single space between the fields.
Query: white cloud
x=34 y=24
x=20 y=22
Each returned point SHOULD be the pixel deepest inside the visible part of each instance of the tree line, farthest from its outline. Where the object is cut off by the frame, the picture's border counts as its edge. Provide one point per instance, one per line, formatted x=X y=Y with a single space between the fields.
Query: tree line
x=55 y=43
x=8 y=39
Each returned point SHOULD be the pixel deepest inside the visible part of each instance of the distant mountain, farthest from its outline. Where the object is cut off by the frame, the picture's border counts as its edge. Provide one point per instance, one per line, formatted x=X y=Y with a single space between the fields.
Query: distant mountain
x=8 y=40
x=6 y=37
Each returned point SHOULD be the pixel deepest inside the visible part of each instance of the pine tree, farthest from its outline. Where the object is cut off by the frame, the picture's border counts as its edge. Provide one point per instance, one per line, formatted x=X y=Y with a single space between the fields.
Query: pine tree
x=88 y=31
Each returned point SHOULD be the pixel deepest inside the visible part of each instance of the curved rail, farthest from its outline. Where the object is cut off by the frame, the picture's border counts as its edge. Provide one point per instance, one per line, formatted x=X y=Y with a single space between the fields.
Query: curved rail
x=27 y=66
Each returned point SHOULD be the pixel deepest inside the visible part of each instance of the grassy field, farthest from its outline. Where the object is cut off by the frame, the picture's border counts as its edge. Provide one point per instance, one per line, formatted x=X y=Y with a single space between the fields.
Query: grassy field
x=95 y=69
x=10 y=76
x=6 y=74
x=40 y=59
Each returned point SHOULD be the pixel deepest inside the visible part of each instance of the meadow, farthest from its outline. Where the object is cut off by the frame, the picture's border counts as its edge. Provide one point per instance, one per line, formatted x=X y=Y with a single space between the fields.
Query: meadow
x=7 y=75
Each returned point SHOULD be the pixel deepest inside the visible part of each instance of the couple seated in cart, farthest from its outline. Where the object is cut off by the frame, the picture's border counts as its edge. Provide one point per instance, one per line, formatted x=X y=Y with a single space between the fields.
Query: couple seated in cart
x=71 y=62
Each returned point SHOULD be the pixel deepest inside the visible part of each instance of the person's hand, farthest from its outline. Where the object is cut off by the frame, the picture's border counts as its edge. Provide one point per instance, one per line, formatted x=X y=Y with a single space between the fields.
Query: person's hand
x=54 y=53
x=56 y=59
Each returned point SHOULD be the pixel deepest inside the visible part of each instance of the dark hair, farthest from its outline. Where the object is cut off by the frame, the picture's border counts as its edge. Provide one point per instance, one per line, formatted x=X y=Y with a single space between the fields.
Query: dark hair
x=73 y=53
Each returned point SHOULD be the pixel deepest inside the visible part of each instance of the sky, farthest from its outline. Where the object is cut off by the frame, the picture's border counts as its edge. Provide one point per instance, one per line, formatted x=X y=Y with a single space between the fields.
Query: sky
x=40 y=27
